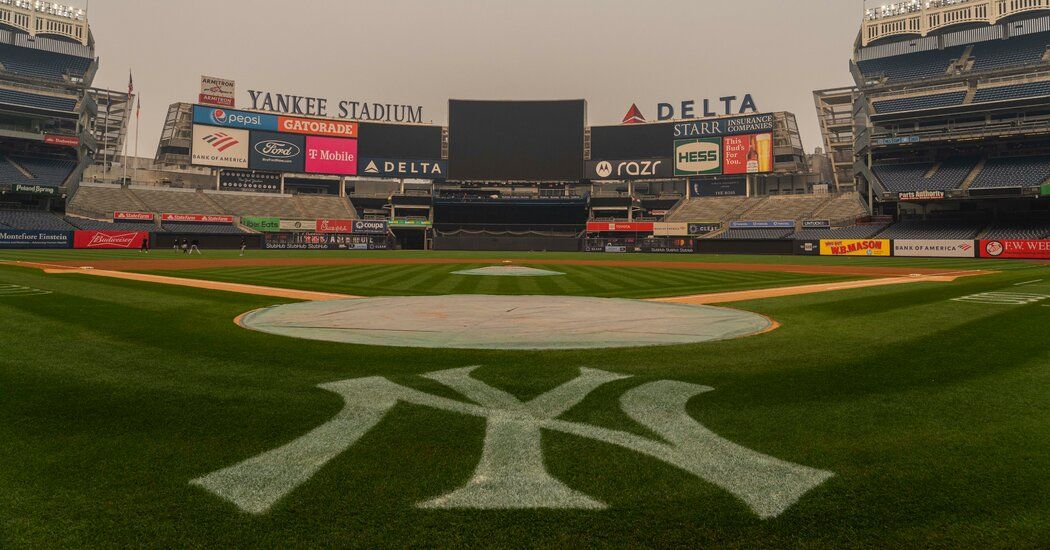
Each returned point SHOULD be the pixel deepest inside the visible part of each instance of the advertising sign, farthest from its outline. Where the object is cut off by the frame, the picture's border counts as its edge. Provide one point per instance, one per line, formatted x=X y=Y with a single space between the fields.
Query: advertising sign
x=109 y=239
x=63 y=141
x=1045 y=190
x=371 y=227
x=629 y=169
x=807 y=248
x=277 y=153
x=195 y=218
x=335 y=226
x=298 y=225
x=35 y=189
x=1016 y=249
x=317 y=127
x=289 y=104
x=419 y=224
x=754 y=124
x=220 y=148
x=934 y=249
x=703 y=228
x=248 y=181
x=322 y=241
x=132 y=216
x=816 y=224
x=855 y=247
x=620 y=227
x=664 y=229
x=747 y=154
x=921 y=196
x=774 y=224
x=15 y=238
x=398 y=168
x=325 y=155
x=217 y=91
x=698 y=157
x=262 y=225
x=227 y=118
x=718 y=187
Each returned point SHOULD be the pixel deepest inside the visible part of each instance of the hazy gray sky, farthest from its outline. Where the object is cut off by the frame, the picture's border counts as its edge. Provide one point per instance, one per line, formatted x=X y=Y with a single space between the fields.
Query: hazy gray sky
x=423 y=52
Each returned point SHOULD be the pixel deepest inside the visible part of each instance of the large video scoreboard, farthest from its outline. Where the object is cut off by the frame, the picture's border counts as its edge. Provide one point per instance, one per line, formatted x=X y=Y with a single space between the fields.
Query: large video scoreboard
x=516 y=140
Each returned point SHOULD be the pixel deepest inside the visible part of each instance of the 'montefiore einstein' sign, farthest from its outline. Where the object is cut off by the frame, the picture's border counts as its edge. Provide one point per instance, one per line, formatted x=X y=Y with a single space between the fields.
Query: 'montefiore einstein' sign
x=297 y=105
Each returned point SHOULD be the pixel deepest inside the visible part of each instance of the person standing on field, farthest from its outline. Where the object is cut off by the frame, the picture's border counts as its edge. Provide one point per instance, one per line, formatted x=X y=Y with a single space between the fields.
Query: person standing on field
x=196 y=246
x=145 y=245
x=244 y=245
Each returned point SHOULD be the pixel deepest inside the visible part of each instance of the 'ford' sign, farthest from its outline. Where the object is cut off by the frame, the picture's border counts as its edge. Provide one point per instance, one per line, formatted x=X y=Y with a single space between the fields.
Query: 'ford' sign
x=370 y=227
x=229 y=118
x=277 y=152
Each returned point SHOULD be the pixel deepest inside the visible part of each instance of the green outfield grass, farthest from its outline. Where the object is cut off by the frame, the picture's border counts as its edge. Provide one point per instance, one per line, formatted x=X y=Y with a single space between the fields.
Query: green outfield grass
x=932 y=414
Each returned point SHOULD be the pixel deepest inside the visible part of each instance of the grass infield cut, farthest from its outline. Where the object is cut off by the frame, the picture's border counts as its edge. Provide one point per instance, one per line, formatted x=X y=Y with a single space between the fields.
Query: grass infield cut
x=932 y=414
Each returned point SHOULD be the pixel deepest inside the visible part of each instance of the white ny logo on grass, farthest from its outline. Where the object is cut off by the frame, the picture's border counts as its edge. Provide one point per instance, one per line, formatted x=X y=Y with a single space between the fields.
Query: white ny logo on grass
x=511 y=473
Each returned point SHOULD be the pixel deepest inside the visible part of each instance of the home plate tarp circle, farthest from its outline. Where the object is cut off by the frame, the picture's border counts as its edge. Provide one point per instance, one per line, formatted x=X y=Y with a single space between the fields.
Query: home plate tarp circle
x=504 y=322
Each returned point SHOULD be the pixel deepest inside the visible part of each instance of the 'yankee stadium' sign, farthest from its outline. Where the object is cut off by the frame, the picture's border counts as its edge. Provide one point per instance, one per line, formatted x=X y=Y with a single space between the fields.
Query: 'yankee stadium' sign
x=319 y=107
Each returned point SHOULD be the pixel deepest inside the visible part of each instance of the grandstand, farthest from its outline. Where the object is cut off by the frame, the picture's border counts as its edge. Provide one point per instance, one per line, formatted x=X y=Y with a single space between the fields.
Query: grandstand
x=953 y=117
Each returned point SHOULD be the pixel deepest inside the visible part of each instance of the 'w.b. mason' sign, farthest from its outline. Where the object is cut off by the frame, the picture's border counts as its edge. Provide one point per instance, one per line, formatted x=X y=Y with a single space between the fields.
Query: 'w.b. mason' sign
x=512 y=472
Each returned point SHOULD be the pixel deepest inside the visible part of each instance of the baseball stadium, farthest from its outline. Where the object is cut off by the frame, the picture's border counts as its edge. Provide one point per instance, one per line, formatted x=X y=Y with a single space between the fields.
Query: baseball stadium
x=314 y=322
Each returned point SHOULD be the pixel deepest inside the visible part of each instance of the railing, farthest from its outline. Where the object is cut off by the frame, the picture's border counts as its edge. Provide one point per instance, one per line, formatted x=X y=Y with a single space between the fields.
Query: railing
x=922 y=18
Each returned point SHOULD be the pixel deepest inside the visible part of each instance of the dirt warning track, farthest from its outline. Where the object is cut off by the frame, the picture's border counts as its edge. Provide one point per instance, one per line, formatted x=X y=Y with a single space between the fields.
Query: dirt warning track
x=123 y=269
x=183 y=264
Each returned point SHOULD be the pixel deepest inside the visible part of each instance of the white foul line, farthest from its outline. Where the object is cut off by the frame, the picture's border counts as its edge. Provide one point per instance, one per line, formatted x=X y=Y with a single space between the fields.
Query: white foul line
x=1029 y=282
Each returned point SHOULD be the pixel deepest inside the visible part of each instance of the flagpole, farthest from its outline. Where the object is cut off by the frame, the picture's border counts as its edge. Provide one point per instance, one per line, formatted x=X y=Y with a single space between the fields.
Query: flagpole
x=138 y=113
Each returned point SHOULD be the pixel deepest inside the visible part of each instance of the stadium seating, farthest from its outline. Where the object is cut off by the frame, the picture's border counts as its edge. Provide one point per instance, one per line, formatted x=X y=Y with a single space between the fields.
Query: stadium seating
x=932 y=230
x=203 y=228
x=931 y=101
x=9 y=174
x=37 y=101
x=168 y=201
x=845 y=206
x=41 y=64
x=101 y=201
x=707 y=209
x=854 y=232
x=1013 y=172
x=327 y=206
x=98 y=225
x=914 y=66
x=786 y=207
x=1015 y=91
x=1018 y=230
x=244 y=204
x=912 y=177
x=34 y=220
x=998 y=54
x=49 y=172
x=745 y=234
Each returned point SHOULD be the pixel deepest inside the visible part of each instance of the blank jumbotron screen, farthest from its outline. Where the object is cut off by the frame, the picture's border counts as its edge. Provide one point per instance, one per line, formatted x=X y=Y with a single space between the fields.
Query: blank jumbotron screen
x=516 y=140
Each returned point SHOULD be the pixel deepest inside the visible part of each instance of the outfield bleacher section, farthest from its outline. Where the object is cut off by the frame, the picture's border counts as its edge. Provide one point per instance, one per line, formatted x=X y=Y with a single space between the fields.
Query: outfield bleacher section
x=174 y=201
x=785 y=207
x=99 y=225
x=710 y=209
x=945 y=176
x=1018 y=230
x=754 y=234
x=853 y=232
x=203 y=228
x=932 y=230
x=49 y=172
x=845 y=206
x=245 y=204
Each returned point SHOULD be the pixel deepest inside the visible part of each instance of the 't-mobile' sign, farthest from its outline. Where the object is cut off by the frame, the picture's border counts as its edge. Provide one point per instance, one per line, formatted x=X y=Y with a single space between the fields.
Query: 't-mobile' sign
x=325 y=155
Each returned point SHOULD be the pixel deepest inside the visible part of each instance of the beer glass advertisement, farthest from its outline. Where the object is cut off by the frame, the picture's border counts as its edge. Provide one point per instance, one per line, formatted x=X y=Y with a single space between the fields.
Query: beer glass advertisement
x=747 y=154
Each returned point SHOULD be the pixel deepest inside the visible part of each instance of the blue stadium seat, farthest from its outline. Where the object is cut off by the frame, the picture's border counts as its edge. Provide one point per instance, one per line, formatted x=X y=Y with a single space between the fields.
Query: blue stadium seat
x=999 y=173
x=932 y=101
x=203 y=228
x=49 y=172
x=33 y=220
x=37 y=101
x=999 y=54
x=900 y=178
x=913 y=66
x=41 y=64
x=1015 y=91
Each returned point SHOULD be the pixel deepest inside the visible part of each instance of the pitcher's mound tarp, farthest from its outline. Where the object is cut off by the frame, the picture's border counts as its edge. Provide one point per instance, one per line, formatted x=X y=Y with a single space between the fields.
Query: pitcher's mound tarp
x=508 y=271
x=505 y=322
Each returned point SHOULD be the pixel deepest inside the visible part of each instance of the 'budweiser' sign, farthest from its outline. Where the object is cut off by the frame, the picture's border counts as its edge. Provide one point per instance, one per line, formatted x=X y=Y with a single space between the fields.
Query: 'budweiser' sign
x=109 y=239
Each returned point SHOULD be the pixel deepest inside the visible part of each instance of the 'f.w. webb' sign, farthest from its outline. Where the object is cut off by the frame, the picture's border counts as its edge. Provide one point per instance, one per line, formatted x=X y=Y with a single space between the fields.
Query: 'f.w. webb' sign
x=511 y=473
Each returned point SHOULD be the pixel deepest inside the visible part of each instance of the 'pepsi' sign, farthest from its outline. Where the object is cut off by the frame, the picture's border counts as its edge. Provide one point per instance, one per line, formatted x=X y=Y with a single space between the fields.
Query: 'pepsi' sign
x=228 y=118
